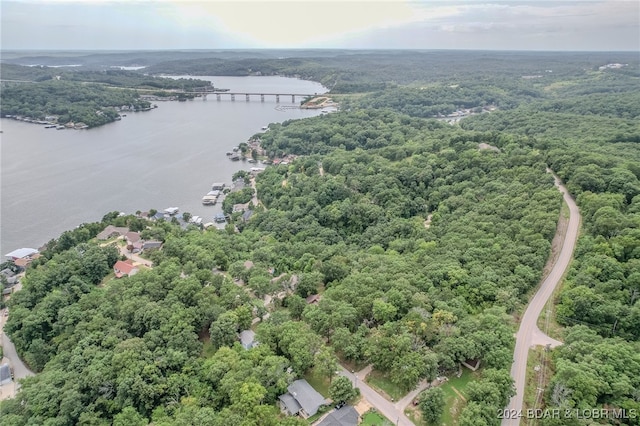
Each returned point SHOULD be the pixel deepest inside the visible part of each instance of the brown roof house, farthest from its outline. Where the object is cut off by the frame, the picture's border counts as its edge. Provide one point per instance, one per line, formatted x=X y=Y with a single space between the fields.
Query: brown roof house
x=124 y=268
x=302 y=400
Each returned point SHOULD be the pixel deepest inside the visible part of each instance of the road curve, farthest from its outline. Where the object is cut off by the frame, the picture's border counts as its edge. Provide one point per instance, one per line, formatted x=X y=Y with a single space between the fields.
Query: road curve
x=386 y=408
x=20 y=371
x=528 y=334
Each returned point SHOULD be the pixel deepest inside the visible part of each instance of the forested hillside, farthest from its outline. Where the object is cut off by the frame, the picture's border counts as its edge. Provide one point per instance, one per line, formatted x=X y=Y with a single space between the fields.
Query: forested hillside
x=423 y=240
x=590 y=138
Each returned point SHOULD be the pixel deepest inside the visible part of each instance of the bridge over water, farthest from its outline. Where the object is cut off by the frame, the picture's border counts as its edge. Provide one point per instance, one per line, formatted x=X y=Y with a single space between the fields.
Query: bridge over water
x=249 y=95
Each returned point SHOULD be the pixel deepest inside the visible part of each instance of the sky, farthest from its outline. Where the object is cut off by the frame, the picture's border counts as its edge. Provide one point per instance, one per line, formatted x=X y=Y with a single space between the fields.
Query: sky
x=600 y=25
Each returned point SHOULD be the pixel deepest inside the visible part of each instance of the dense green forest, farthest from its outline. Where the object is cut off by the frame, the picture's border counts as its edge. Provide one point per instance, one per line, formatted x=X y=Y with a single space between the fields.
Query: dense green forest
x=90 y=97
x=423 y=244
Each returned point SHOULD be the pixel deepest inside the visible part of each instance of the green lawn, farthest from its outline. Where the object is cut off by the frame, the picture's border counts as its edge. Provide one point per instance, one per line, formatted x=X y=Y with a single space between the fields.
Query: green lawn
x=383 y=384
x=454 y=403
x=208 y=350
x=318 y=382
x=372 y=418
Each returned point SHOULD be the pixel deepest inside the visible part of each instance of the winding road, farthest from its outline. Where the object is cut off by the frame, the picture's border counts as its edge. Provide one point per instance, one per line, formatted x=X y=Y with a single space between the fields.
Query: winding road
x=386 y=408
x=20 y=370
x=529 y=334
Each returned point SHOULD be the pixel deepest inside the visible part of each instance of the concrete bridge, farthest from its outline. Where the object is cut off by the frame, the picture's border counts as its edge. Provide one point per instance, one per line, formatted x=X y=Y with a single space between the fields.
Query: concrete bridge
x=249 y=96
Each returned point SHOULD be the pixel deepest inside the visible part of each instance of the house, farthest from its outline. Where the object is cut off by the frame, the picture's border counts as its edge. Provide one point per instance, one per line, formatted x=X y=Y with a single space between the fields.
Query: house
x=302 y=399
x=112 y=231
x=5 y=374
x=151 y=244
x=345 y=416
x=124 y=268
x=10 y=276
x=247 y=339
x=132 y=237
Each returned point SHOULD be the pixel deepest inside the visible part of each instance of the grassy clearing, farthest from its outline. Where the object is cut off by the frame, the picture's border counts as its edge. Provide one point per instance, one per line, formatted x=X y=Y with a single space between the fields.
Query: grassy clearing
x=318 y=382
x=413 y=413
x=455 y=396
x=380 y=382
x=375 y=419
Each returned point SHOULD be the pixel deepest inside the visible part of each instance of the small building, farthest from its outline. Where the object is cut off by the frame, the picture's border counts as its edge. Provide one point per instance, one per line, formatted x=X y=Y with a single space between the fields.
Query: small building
x=247 y=339
x=247 y=215
x=5 y=374
x=345 y=416
x=301 y=399
x=22 y=253
x=313 y=299
x=124 y=268
x=240 y=208
x=152 y=245
x=471 y=364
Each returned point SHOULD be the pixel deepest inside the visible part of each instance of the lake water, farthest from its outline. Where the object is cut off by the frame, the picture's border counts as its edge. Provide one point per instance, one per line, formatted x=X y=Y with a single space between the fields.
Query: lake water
x=54 y=180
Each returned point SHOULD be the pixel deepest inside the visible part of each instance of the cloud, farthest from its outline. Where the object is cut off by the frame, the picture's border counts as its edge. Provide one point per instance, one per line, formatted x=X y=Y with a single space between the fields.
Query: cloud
x=183 y=24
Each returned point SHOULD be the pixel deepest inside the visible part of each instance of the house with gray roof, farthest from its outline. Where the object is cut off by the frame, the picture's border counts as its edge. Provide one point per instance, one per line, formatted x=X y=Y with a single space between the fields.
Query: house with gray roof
x=247 y=339
x=345 y=416
x=302 y=399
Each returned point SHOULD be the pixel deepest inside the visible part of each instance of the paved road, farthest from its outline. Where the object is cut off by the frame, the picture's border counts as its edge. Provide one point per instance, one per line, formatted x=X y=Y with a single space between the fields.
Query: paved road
x=529 y=334
x=386 y=408
x=20 y=370
x=408 y=398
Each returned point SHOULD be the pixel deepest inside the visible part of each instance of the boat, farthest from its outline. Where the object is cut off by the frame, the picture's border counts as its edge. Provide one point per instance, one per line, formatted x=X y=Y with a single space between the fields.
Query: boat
x=50 y=126
x=219 y=218
x=215 y=192
x=235 y=157
x=209 y=200
x=217 y=186
x=265 y=128
x=60 y=127
x=251 y=160
x=229 y=153
x=171 y=211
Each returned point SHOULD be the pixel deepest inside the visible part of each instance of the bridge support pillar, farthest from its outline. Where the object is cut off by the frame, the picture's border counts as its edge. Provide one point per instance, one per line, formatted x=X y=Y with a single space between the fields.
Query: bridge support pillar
x=233 y=97
x=262 y=98
x=247 y=97
x=217 y=96
x=278 y=98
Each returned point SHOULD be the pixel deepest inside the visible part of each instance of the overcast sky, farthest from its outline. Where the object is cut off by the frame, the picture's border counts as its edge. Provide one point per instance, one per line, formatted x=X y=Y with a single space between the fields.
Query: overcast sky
x=213 y=24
